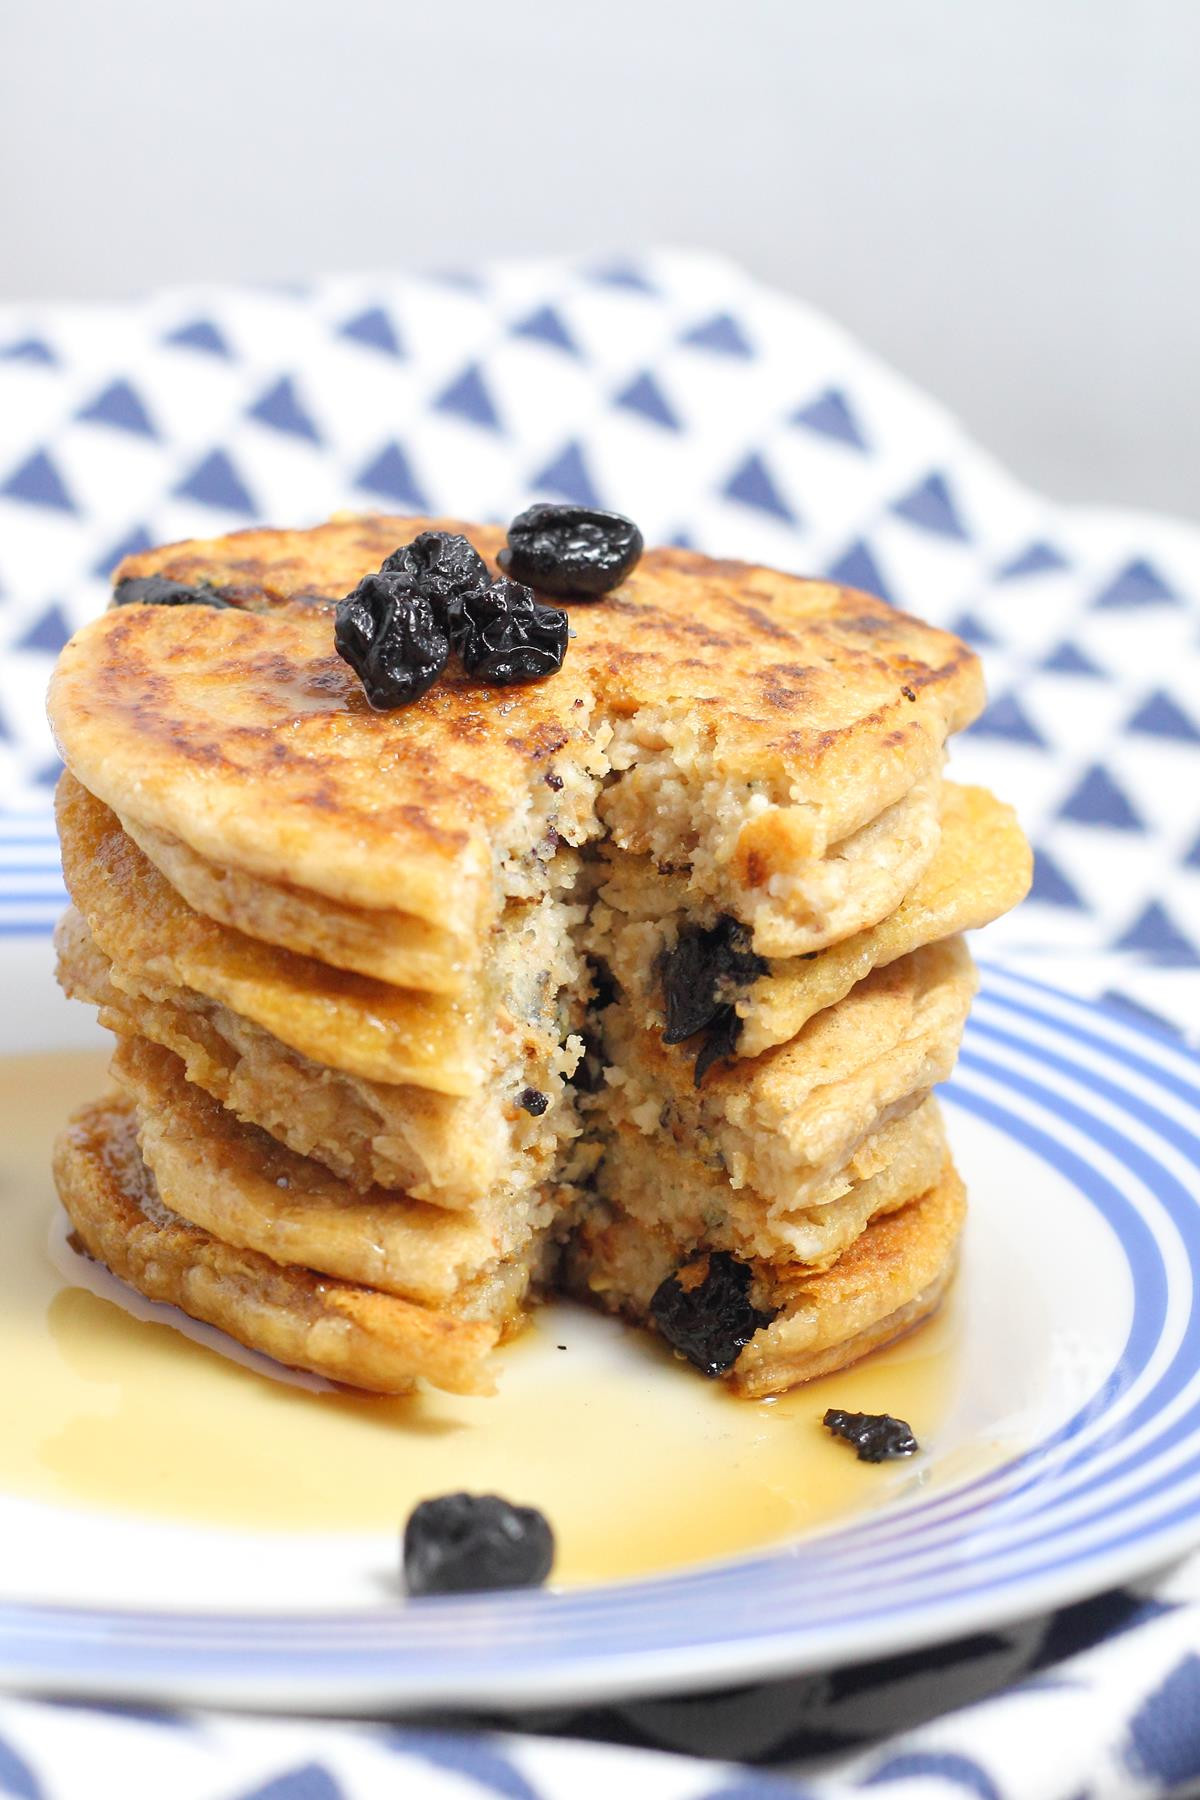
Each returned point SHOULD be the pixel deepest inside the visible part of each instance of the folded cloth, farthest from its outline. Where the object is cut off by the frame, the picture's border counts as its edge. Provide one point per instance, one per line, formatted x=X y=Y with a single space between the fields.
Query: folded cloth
x=675 y=388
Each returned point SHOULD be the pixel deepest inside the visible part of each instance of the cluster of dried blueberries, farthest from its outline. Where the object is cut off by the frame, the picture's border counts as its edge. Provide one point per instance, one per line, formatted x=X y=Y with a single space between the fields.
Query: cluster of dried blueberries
x=436 y=595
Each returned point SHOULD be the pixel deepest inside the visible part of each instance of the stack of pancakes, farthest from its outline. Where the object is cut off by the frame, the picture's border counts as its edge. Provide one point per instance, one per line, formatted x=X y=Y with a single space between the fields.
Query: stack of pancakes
x=388 y=988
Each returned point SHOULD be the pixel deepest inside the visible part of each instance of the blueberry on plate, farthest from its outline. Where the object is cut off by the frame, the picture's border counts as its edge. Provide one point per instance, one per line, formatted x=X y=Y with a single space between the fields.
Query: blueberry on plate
x=475 y=1543
x=876 y=1437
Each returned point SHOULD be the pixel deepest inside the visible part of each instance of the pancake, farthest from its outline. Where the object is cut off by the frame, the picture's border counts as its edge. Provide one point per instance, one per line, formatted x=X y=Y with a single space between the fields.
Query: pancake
x=750 y=722
x=892 y=1277
x=769 y=1121
x=158 y=945
x=687 y=1203
x=375 y=1096
x=239 y=1184
x=982 y=868
x=331 y=1328
x=447 y=1150
x=392 y=946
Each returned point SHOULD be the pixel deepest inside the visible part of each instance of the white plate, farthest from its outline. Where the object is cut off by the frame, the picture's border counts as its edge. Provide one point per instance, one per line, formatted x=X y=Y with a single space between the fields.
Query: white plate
x=1066 y=1457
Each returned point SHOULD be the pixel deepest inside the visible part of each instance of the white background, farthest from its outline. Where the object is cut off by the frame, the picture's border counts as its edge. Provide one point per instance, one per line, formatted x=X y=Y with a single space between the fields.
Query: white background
x=1001 y=198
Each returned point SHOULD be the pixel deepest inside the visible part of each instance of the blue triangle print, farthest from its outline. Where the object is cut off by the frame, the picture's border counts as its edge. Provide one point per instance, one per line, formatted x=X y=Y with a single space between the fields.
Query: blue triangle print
x=1192 y=859
x=722 y=334
x=119 y=405
x=30 y=350
x=201 y=334
x=829 y=415
x=1007 y=718
x=5 y=738
x=931 y=507
x=1138 y=584
x=546 y=327
x=643 y=395
x=280 y=408
x=215 y=482
x=50 y=632
x=971 y=628
x=390 y=474
x=622 y=275
x=683 y=540
x=1156 y=933
x=1159 y=716
x=47 y=776
x=307 y=1781
x=1036 y=559
x=1051 y=886
x=139 y=539
x=38 y=482
x=375 y=329
x=1068 y=659
x=568 y=475
x=467 y=397
x=753 y=485
x=1097 y=800
x=857 y=568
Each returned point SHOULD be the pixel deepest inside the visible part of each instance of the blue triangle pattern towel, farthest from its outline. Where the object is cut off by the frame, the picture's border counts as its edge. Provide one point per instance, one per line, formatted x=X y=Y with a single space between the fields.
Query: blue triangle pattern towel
x=672 y=386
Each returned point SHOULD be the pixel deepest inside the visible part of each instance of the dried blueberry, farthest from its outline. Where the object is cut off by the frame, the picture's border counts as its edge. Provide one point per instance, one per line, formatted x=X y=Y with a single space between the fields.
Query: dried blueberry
x=533 y=1101
x=392 y=639
x=712 y=1320
x=468 y=1543
x=508 y=636
x=698 y=974
x=571 y=550
x=443 y=566
x=876 y=1436
x=160 y=590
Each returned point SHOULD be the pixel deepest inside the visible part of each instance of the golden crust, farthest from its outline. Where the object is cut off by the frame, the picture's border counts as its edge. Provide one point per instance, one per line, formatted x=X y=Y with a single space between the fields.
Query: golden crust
x=438 y=1147
x=771 y=1119
x=157 y=944
x=982 y=867
x=248 y=1190
x=248 y=738
x=391 y=946
x=688 y=1203
x=331 y=1328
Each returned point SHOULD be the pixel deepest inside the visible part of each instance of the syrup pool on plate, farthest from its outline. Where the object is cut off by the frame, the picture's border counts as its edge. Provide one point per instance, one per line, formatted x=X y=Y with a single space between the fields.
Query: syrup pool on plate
x=119 y=1406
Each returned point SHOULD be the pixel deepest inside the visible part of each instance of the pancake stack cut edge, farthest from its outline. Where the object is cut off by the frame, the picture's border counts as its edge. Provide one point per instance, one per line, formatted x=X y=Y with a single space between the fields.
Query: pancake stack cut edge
x=392 y=992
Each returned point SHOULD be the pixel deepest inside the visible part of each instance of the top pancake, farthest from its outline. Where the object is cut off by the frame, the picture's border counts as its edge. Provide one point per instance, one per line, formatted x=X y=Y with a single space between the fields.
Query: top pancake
x=244 y=735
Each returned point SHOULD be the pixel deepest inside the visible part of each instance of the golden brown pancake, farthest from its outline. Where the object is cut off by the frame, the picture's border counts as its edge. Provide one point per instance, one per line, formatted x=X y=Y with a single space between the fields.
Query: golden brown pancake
x=778 y=717
x=446 y=1149
x=688 y=1202
x=770 y=1121
x=158 y=944
x=250 y=1191
x=344 y=953
x=982 y=868
x=331 y=1328
x=393 y=946
x=890 y=1278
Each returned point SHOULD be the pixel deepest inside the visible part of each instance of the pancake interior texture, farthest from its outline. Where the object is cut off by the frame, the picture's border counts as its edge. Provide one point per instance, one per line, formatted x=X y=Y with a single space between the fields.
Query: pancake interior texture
x=390 y=988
